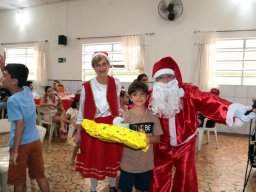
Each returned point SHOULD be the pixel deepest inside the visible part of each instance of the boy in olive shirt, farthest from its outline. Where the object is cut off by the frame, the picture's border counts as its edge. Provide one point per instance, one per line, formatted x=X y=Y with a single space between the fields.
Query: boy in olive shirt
x=136 y=165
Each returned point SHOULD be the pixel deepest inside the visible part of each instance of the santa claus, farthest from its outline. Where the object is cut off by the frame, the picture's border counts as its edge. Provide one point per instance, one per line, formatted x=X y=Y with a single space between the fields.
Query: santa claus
x=178 y=104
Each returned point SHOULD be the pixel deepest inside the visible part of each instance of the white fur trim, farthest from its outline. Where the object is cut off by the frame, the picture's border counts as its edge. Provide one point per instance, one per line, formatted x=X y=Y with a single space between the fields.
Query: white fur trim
x=181 y=92
x=230 y=118
x=102 y=54
x=163 y=72
x=172 y=130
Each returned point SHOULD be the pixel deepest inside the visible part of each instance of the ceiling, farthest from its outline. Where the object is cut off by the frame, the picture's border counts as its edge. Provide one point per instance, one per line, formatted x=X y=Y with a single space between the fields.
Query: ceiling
x=18 y=4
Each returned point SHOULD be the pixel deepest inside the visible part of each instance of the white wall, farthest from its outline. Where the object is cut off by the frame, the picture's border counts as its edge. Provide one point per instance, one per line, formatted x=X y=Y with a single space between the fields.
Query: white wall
x=237 y=94
x=86 y=18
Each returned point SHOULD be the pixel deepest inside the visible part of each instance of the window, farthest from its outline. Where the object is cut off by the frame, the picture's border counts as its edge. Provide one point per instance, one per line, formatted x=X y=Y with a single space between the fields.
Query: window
x=236 y=61
x=24 y=55
x=115 y=53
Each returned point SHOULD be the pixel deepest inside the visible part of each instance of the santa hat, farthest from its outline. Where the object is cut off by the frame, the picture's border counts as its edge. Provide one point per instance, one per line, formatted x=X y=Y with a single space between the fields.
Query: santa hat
x=215 y=91
x=167 y=66
x=101 y=53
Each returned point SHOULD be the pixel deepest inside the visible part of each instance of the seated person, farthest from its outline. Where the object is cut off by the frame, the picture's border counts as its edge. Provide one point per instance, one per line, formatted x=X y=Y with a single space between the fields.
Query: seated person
x=78 y=92
x=143 y=78
x=58 y=87
x=209 y=123
x=254 y=105
x=30 y=85
x=70 y=118
x=124 y=101
x=55 y=85
x=61 y=88
x=53 y=102
x=4 y=95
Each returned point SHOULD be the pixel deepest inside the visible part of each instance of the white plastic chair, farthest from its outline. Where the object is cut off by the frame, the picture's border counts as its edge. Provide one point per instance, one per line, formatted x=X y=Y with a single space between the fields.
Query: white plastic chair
x=42 y=132
x=44 y=111
x=5 y=127
x=4 y=165
x=208 y=130
x=2 y=113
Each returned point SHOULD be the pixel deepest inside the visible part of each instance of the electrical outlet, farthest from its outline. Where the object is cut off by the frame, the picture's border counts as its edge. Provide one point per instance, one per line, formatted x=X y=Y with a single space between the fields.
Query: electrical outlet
x=62 y=60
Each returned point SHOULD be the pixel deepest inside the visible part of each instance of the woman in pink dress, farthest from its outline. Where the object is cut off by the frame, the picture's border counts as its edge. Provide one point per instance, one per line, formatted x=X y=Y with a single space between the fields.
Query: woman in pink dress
x=54 y=103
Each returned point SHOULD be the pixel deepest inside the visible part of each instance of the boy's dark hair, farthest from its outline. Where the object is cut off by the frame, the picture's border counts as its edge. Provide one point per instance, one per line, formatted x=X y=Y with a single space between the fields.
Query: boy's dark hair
x=27 y=83
x=137 y=86
x=18 y=71
x=139 y=78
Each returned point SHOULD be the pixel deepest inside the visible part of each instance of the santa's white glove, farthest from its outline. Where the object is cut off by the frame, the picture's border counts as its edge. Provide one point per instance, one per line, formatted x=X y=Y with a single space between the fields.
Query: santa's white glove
x=240 y=113
x=118 y=120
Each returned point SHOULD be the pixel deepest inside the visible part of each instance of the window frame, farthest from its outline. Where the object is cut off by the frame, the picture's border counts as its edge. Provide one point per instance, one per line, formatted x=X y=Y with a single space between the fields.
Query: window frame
x=244 y=72
x=118 y=71
x=28 y=58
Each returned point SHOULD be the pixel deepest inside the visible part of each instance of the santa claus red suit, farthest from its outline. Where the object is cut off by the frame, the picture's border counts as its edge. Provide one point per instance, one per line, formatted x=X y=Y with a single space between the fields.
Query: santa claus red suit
x=178 y=105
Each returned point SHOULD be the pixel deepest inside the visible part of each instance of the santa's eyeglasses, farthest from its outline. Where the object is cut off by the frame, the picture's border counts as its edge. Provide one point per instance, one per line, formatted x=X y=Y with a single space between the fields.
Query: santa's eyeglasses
x=166 y=76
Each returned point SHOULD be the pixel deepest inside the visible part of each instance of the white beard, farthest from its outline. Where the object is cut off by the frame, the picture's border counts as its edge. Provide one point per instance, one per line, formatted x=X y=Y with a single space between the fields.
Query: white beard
x=166 y=99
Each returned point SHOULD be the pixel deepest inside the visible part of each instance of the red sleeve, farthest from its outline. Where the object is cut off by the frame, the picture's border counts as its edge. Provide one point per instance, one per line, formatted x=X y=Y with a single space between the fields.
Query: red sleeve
x=210 y=105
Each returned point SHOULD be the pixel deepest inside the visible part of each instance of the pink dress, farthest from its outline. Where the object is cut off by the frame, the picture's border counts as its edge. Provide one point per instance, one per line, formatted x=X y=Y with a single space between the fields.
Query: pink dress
x=52 y=110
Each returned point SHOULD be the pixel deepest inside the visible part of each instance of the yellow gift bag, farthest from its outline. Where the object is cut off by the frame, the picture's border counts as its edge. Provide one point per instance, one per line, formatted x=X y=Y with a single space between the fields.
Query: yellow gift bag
x=114 y=133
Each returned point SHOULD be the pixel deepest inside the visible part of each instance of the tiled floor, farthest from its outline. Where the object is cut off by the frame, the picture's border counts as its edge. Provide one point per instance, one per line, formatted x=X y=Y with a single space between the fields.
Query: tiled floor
x=219 y=170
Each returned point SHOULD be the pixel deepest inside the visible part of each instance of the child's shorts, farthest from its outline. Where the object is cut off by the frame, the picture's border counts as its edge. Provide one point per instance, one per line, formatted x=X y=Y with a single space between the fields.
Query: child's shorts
x=29 y=156
x=141 y=181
